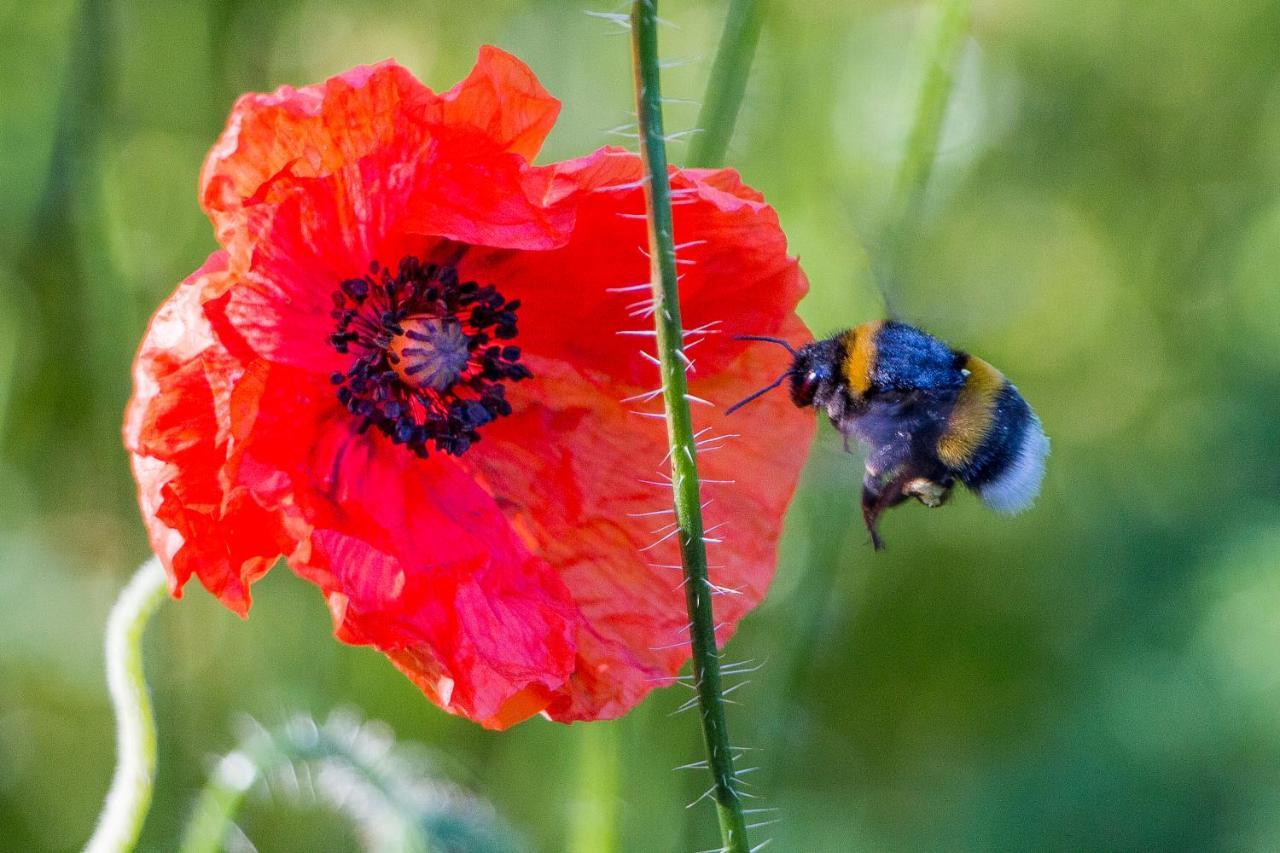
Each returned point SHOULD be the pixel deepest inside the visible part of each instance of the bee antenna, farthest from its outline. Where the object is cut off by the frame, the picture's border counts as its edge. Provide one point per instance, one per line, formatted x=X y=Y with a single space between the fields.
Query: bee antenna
x=765 y=390
x=779 y=341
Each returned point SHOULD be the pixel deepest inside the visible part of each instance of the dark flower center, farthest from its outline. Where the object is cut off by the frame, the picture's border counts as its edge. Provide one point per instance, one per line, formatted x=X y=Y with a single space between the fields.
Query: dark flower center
x=429 y=366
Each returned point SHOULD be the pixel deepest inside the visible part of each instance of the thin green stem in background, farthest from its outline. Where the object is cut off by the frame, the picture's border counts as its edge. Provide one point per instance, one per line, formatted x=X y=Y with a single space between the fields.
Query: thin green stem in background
x=593 y=823
x=9 y=338
x=130 y=795
x=922 y=142
x=931 y=109
x=684 y=468
x=728 y=83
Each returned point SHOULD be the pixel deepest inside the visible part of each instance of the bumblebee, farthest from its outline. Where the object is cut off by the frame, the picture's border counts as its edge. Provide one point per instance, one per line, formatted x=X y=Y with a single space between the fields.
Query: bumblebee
x=929 y=416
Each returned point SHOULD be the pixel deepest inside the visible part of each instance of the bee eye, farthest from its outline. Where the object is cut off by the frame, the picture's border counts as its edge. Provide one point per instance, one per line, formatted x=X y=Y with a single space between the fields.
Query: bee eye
x=803 y=391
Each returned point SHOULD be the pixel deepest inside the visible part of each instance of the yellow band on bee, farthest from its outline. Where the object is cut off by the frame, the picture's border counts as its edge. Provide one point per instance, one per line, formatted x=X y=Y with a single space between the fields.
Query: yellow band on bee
x=973 y=415
x=860 y=355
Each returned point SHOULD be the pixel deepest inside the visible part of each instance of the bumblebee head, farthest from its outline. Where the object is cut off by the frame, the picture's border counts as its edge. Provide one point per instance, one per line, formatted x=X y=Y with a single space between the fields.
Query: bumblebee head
x=813 y=374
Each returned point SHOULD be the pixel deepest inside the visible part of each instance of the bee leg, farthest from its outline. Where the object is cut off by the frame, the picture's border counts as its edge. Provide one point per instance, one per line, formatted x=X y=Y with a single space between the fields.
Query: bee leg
x=877 y=496
x=847 y=449
x=869 y=516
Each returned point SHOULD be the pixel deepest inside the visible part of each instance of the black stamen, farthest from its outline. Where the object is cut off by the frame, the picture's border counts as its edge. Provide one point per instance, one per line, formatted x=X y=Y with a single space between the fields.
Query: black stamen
x=424 y=371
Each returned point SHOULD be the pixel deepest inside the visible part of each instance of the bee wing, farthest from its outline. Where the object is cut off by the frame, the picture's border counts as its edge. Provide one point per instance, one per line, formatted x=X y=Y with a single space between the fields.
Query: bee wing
x=891 y=426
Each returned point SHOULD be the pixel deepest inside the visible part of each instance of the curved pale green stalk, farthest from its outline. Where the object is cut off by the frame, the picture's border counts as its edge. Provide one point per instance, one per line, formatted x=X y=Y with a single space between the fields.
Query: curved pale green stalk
x=728 y=83
x=130 y=795
x=684 y=467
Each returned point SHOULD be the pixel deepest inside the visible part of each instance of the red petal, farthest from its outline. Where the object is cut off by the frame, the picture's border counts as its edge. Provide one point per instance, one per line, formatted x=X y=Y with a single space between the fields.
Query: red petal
x=176 y=429
x=311 y=131
x=413 y=556
x=317 y=130
x=503 y=98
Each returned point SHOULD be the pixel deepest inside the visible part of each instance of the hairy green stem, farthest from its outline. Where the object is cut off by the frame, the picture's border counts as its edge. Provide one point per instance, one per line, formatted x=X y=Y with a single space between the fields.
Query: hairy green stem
x=130 y=796
x=684 y=467
x=728 y=83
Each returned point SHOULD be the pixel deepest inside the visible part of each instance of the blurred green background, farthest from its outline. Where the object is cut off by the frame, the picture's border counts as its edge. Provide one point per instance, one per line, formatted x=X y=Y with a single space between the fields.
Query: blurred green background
x=1102 y=672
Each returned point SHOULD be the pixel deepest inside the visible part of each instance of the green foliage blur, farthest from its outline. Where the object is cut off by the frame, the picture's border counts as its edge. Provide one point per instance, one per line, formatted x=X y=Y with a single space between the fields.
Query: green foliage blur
x=1103 y=223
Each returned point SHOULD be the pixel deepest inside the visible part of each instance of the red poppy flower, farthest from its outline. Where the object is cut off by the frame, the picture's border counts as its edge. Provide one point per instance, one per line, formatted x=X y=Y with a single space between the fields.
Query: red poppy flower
x=416 y=369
